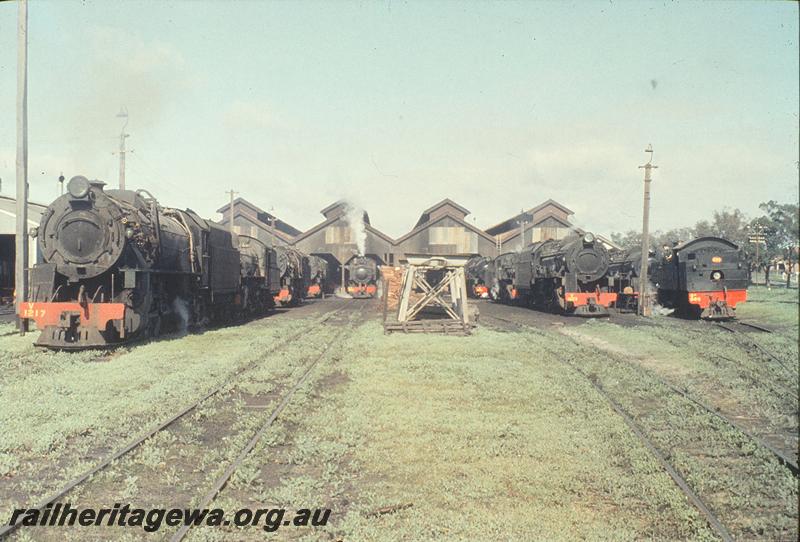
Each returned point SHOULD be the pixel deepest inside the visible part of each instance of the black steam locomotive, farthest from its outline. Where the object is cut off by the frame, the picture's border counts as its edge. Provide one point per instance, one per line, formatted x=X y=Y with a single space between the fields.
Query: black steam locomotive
x=119 y=266
x=567 y=275
x=704 y=278
x=293 y=271
x=476 y=273
x=317 y=276
x=362 y=276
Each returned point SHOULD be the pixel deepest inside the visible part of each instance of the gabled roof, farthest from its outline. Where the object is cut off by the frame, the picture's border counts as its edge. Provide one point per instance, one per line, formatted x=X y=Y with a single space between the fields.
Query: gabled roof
x=514 y=232
x=552 y=202
x=255 y=213
x=242 y=212
x=461 y=221
x=511 y=222
x=240 y=202
x=325 y=223
x=460 y=211
x=339 y=208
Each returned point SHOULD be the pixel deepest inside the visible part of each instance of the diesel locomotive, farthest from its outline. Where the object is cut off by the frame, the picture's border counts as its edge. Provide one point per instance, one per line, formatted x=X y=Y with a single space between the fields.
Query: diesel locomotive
x=362 y=276
x=118 y=266
x=703 y=278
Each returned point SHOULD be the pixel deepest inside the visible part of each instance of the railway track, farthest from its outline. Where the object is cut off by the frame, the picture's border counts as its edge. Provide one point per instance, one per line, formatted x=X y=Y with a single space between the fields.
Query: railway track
x=730 y=328
x=164 y=424
x=222 y=480
x=680 y=481
x=706 y=511
x=780 y=455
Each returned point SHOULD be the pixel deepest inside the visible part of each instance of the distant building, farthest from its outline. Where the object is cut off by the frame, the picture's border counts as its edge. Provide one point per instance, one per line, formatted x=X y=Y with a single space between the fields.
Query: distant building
x=251 y=220
x=8 y=236
x=548 y=220
x=443 y=229
x=336 y=237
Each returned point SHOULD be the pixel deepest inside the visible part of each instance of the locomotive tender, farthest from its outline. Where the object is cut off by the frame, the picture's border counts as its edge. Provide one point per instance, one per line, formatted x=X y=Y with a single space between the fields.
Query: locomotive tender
x=118 y=266
x=703 y=278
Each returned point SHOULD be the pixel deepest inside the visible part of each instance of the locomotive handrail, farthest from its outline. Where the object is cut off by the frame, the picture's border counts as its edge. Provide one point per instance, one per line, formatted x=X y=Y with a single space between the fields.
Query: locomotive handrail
x=182 y=220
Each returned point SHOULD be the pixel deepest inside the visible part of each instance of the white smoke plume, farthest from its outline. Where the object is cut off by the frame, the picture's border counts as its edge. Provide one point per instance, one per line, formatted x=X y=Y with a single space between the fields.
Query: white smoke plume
x=358 y=230
x=181 y=309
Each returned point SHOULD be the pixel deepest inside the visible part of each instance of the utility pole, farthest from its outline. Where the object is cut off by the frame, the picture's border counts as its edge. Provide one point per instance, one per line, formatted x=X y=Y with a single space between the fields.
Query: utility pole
x=21 y=264
x=644 y=299
x=757 y=237
x=123 y=114
x=230 y=217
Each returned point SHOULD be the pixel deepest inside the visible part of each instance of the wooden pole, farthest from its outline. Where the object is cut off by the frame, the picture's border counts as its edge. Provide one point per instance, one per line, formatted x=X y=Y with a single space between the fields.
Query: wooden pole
x=644 y=297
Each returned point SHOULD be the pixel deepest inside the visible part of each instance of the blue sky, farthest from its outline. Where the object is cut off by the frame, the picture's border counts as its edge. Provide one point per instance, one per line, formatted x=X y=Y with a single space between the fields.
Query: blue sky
x=396 y=105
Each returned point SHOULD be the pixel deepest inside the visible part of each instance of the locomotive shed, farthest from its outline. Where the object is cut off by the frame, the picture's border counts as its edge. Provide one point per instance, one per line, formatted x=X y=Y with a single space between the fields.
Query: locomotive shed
x=310 y=405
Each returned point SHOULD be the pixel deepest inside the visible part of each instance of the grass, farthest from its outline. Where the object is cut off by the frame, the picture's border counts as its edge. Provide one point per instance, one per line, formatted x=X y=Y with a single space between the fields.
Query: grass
x=60 y=411
x=487 y=441
x=493 y=436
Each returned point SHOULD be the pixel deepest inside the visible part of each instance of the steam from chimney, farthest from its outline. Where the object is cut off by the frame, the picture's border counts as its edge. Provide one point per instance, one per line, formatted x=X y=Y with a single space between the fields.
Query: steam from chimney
x=358 y=230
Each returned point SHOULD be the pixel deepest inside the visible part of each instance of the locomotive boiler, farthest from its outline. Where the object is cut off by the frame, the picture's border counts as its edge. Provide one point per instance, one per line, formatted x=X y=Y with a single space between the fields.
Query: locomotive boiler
x=362 y=276
x=118 y=266
x=703 y=278
x=567 y=275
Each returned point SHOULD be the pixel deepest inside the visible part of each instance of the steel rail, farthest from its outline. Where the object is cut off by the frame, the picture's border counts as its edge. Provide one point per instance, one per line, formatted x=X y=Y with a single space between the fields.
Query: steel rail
x=135 y=443
x=763 y=350
x=679 y=480
x=779 y=455
x=225 y=477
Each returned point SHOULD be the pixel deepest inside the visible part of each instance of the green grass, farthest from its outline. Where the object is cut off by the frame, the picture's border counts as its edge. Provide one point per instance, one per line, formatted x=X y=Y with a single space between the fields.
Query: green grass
x=60 y=412
x=489 y=437
x=483 y=435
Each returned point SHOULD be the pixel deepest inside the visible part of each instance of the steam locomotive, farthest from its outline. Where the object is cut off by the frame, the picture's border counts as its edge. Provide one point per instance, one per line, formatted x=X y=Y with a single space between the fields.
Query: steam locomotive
x=565 y=275
x=318 y=272
x=293 y=270
x=119 y=266
x=703 y=278
x=362 y=276
x=568 y=275
x=476 y=276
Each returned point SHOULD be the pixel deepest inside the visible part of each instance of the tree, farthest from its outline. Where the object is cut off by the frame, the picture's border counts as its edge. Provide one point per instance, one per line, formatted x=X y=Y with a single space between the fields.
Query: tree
x=780 y=224
x=731 y=225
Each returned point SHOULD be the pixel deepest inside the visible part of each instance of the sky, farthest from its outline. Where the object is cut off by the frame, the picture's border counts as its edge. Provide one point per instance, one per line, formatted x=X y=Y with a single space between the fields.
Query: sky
x=397 y=105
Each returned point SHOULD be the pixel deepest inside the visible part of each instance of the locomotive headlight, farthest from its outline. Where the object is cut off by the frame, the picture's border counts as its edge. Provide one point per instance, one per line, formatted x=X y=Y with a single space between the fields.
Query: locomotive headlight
x=78 y=187
x=588 y=238
x=716 y=276
x=129 y=232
